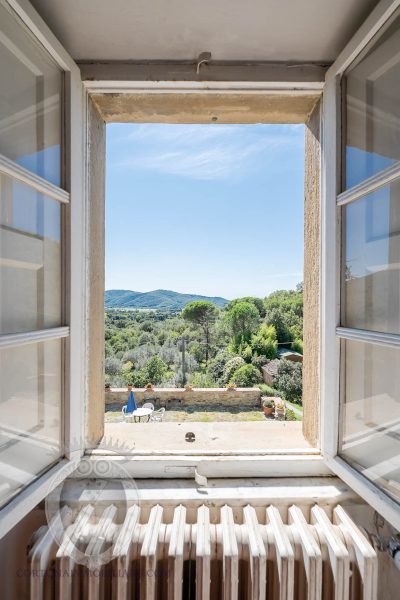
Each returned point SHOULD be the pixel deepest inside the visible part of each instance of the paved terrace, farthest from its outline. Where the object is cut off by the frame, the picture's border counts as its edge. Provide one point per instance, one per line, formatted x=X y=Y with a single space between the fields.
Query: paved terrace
x=210 y=437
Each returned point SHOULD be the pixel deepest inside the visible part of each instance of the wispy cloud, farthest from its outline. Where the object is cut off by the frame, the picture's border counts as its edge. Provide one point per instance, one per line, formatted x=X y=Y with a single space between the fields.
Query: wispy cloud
x=207 y=152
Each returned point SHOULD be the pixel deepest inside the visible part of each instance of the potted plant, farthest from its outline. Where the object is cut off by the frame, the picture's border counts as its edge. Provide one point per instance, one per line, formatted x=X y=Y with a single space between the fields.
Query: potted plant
x=230 y=386
x=268 y=406
x=280 y=408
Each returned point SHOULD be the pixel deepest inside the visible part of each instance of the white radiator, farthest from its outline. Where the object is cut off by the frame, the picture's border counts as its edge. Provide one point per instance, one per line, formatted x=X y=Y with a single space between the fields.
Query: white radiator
x=219 y=554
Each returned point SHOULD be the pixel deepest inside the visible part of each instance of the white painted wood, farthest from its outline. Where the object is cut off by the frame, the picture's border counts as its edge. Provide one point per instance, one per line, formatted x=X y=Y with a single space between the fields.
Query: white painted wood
x=372 y=494
x=372 y=337
x=330 y=237
x=230 y=552
x=12 y=169
x=284 y=554
x=371 y=26
x=30 y=496
x=176 y=553
x=178 y=466
x=33 y=337
x=370 y=185
x=367 y=559
x=77 y=273
x=122 y=550
x=329 y=349
x=338 y=554
x=312 y=557
x=74 y=401
x=203 y=554
x=257 y=555
x=42 y=32
x=148 y=555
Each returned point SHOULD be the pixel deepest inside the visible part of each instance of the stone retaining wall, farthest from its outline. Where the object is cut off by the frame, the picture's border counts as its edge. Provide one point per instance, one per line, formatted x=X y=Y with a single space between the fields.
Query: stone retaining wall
x=177 y=397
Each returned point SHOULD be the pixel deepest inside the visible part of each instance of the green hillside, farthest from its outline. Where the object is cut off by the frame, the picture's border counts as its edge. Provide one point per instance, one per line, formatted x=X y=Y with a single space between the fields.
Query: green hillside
x=157 y=299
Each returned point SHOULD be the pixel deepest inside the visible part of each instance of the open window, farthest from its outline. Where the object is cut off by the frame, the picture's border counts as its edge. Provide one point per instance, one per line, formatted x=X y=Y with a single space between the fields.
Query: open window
x=41 y=226
x=361 y=290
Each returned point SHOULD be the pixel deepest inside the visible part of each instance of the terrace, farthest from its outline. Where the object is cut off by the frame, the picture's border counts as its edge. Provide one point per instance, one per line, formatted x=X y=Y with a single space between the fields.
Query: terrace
x=222 y=420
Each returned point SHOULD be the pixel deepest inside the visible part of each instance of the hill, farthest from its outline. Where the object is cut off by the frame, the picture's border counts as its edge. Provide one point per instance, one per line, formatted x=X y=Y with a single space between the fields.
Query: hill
x=157 y=299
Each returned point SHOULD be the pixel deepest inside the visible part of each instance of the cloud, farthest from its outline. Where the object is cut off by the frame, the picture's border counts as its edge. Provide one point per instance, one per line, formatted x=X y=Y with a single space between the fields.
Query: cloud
x=204 y=152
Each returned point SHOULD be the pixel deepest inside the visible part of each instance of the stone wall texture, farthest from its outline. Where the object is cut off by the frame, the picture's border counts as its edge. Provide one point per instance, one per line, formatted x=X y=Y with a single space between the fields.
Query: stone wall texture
x=312 y=253
x=179 y=397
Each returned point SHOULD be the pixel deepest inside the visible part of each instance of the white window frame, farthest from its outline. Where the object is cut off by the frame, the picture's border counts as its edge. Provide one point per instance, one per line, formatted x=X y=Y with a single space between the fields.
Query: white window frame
x=73 y=333
x=332 y=199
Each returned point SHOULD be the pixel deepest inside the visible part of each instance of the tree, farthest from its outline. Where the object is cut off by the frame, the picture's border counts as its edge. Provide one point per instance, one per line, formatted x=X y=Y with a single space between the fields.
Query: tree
x=202 y=313
x=246 y=376
x=154 y=370
x=258 y=303
x=265 y=341
x=289 y=380
x=243 y=319
x=231 y=366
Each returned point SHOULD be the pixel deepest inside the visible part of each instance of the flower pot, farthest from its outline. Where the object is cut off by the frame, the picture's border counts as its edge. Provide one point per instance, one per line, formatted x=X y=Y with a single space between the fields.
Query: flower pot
x=268 y=410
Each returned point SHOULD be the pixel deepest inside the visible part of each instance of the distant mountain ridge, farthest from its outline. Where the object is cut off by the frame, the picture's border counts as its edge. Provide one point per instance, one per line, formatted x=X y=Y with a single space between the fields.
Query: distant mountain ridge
x=157 y=299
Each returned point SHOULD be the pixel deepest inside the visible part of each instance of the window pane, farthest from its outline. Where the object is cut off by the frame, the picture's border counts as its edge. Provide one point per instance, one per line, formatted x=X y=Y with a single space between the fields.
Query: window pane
x=373 y=109
x=371 y=298
x=30 y=413
x=30 y=101
x=30 y=259
x=371 y=413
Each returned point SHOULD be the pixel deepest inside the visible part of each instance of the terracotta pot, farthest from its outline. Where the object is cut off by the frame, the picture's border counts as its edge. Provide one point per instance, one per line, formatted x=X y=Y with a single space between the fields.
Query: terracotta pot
x=268 y=411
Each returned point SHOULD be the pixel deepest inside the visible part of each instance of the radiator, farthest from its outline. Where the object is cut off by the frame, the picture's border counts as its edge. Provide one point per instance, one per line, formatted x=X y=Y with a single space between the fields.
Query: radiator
x=218 y=553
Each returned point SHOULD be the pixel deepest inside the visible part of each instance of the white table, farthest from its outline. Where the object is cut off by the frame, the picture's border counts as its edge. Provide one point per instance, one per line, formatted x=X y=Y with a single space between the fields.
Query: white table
x=141 y=412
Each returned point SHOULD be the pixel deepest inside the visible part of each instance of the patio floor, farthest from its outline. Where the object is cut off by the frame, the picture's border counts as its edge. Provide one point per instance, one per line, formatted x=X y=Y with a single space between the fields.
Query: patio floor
x=210 y=437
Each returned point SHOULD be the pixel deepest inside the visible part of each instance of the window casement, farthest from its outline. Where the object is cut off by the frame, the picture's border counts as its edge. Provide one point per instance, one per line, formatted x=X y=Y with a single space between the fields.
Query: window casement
x=361 y=263
x=41 y=271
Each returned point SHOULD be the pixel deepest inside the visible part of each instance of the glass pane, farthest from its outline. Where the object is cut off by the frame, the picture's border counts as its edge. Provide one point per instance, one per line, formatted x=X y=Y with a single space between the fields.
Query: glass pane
x=30 y=259
x=371 y=298
x=373 y=109
x=30 y=413
x=371 y=413
x=30 y=101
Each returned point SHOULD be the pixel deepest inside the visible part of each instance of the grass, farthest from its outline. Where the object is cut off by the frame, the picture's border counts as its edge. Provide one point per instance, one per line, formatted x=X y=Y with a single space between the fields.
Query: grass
x=202 y=416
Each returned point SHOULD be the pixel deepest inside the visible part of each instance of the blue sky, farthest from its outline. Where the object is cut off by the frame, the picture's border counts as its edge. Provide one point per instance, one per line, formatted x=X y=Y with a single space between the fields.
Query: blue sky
x=207 y=209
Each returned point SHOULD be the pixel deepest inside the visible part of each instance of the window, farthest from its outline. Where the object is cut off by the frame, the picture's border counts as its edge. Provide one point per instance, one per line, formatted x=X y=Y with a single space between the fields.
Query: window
x=362 y=398
x=33 y=207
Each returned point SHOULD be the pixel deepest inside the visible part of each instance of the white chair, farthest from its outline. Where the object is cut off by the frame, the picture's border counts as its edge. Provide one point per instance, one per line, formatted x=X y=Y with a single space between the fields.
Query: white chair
x=148 y=405
x=157 y=415
x=126 y=415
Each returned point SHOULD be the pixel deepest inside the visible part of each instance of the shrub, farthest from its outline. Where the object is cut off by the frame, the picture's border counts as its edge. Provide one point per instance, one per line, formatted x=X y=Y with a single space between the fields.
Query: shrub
x=268 y=403
x=202 y=380
x=217 y=365
x=155 y=370
x=267 y=390
x=289 y=380
x=290 y=415
x=265 y=341
x=259 y=361
x=231 y=366
x=112 y=366
x=297 y=346
x=246 y=376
